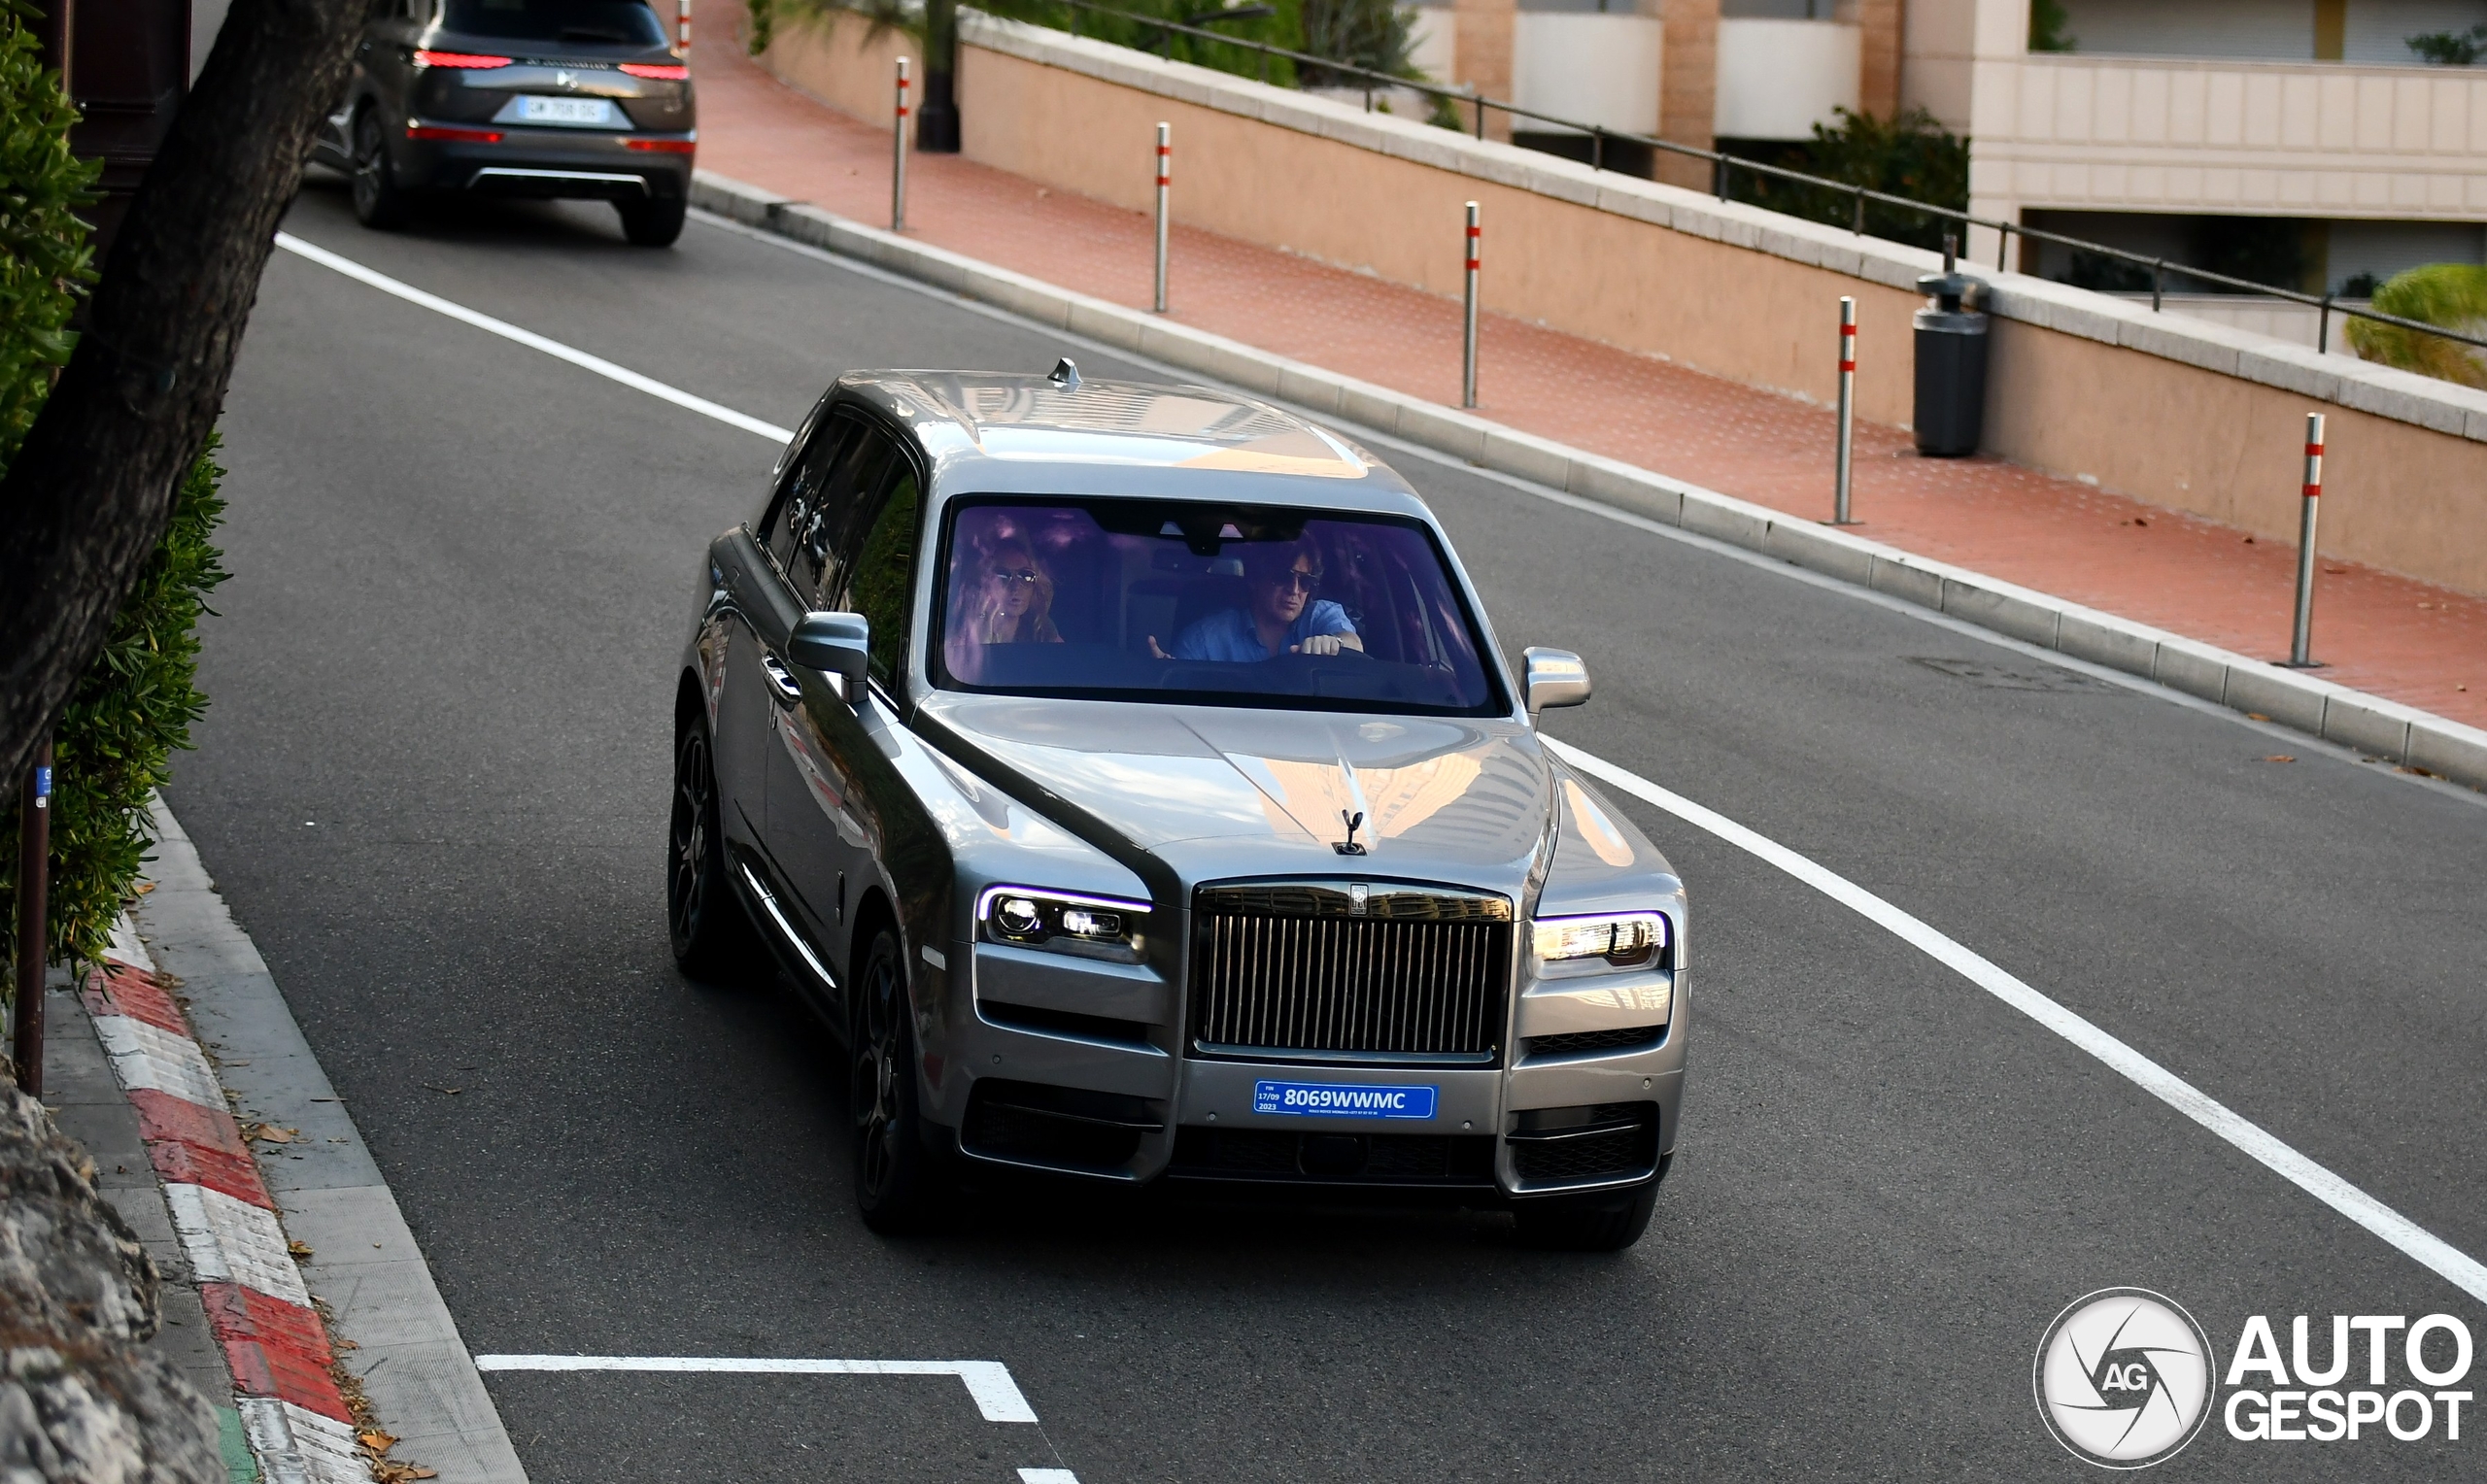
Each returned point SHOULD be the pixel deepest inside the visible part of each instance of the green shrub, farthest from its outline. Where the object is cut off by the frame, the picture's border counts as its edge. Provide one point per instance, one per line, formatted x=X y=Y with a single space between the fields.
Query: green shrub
x=1912 y=155
x=1370 y=34
x=2450 y=49
x=1284 y=30
x=115 y=743
x=136 y=702
x=44 y=257
x=2453 y=295
x=2047 y=22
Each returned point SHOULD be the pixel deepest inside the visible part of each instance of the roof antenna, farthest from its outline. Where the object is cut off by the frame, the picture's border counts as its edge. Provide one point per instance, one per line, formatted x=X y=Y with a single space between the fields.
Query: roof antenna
x=1066 y=375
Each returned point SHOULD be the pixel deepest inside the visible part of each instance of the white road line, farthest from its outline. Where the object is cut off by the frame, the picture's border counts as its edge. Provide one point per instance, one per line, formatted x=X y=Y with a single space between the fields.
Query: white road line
x=988 y=1382
x=2428 y=1250
x=1047 y=1476
x=530 y=338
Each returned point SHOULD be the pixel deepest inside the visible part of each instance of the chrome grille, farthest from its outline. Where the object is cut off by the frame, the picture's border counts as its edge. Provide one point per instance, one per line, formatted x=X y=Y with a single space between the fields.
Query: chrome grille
x=1315 y=971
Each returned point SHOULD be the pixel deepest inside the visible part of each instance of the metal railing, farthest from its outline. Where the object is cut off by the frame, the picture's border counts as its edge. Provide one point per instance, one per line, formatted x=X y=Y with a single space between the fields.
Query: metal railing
x=1725 y=167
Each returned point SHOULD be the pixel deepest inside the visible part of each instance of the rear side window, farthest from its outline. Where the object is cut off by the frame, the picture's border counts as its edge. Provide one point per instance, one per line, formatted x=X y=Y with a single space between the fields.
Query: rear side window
x=610 y=22
x=882 y=570
x=800 y=518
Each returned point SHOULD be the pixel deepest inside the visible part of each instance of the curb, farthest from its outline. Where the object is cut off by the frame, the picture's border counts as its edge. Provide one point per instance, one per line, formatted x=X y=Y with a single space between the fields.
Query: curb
x=257 y=1307
x=2369 y=724
x=402 y=1345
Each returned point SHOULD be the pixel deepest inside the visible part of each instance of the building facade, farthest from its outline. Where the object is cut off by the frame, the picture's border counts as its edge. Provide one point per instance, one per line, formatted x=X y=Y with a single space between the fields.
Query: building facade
x=2308 y=143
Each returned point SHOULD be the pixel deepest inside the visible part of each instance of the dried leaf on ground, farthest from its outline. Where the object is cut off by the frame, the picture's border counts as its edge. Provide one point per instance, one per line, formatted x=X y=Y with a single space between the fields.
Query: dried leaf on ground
x=300 y=1249
x=270 y=1134
x=376 y=1440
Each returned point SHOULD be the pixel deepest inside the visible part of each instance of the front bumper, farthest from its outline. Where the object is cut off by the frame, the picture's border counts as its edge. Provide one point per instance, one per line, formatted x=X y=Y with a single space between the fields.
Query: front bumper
x=1114 y=1097
x=548 y=163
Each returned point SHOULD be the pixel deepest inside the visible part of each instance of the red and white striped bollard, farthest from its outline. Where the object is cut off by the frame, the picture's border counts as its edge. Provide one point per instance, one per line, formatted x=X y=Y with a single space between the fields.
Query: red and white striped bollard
x=1475 y=242
x=897 y=156
x=2301 y=641
x=1847 y=410
x=1164 y=179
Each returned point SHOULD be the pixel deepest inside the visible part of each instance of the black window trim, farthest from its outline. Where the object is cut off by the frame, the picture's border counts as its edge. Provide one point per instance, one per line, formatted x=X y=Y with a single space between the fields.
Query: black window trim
x=903 y=437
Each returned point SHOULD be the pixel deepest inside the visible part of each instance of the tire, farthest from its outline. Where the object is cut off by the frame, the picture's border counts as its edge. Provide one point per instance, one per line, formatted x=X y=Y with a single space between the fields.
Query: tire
x=652 y=223
x=1604 y=1223
x=379 y=201
x=899 y=1186
x=712 y=936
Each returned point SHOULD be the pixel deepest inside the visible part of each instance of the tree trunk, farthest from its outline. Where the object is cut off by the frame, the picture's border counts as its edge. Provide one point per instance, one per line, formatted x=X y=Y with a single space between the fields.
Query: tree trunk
x=91 y=489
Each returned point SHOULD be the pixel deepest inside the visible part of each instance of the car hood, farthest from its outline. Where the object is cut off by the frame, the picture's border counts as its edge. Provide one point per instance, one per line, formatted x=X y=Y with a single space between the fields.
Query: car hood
x=1239 y=792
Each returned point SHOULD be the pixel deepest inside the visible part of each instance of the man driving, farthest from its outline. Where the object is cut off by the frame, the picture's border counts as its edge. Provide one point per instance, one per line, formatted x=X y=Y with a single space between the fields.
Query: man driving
x=1280 y=615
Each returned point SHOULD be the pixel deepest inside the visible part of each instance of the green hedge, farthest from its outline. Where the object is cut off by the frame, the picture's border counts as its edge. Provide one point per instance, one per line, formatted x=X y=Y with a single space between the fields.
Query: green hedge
x=136 y=702
x=2453 y=295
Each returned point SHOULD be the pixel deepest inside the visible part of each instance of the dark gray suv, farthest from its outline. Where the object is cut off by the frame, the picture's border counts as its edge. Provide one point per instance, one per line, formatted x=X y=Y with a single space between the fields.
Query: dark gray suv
x=1129 y=775
x=543 y=98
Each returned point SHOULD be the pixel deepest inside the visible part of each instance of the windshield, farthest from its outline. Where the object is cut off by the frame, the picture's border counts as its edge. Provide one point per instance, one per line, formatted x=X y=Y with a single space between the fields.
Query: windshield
x=623 y=22
x=1216 y=605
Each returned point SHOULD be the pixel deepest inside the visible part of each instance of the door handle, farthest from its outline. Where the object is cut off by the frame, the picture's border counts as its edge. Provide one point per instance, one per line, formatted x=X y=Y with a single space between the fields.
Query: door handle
x=782 y=680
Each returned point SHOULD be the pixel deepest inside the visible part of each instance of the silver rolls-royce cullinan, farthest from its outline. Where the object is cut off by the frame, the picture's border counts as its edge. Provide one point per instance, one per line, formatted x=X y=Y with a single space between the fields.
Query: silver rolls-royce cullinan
x=1130 y=776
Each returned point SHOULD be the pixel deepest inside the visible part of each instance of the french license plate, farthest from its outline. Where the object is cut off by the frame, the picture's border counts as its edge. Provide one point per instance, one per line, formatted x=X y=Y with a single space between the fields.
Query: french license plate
x=1342 y=1100
x=565 y=110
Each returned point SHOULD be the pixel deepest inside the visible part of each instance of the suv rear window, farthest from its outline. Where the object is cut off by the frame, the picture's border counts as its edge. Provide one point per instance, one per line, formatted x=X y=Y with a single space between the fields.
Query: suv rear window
x=612 y=22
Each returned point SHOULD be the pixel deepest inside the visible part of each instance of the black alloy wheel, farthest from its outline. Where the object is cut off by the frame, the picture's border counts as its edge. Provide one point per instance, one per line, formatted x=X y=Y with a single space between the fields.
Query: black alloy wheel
x=378 y=200
x=711 y=936
x=1608 y=1222
x=898 y=1184
x=652 y=223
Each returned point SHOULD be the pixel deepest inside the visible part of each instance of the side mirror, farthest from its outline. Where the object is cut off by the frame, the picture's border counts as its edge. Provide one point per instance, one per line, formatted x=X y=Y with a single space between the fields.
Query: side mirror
x=1552 y=677
x=837 y=644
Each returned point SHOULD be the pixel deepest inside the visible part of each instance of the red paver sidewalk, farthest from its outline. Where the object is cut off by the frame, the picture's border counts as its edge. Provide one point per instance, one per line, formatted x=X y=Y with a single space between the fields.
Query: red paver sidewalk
x=2417 y=644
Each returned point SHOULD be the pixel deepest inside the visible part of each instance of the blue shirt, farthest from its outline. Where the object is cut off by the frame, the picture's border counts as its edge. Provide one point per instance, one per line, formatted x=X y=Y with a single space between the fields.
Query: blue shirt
x=1231 y=636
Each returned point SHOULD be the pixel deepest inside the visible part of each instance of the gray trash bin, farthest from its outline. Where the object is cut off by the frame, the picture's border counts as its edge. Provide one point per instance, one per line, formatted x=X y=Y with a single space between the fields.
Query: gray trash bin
x=1951 y=368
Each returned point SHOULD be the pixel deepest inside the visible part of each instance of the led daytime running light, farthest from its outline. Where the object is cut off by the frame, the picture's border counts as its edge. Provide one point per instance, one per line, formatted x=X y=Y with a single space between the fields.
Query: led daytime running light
x=1626 y=937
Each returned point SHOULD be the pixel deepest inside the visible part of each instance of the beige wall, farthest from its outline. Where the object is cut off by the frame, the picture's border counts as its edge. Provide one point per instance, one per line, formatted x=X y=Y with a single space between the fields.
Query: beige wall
x=2398 y=496
x=831 y=59
x=2150 y=426
x=1578 y=269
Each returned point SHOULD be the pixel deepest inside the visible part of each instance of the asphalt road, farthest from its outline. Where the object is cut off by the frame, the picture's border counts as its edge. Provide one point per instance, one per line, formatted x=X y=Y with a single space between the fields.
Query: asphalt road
x=432 y=787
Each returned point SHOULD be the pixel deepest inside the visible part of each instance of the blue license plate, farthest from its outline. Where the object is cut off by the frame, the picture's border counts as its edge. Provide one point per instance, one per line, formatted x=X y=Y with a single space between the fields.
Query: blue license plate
x=1342 y=1100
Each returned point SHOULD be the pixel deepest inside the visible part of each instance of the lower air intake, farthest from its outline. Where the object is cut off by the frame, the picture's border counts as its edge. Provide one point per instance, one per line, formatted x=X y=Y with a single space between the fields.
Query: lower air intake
x=1585 y=1145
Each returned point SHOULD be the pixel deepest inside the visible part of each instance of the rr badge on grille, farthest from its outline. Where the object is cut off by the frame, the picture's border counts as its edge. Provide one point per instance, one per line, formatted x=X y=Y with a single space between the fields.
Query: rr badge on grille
x=1359 y=896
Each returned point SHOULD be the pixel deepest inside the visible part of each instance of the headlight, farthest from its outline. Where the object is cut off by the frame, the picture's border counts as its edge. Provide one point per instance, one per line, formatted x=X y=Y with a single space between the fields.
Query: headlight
x=1093 y=926
x=1624 y=939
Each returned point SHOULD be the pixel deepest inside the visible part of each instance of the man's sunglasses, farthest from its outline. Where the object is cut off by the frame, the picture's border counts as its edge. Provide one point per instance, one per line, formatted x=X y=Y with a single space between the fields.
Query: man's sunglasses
x=1300 y=579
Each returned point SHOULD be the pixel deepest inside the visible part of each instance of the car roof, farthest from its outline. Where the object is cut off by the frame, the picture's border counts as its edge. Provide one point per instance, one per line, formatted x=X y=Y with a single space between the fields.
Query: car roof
x=1001 y=433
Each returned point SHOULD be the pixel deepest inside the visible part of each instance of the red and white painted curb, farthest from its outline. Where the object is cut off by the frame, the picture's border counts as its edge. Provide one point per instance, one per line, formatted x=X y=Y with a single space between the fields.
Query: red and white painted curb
x=257 y=1305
